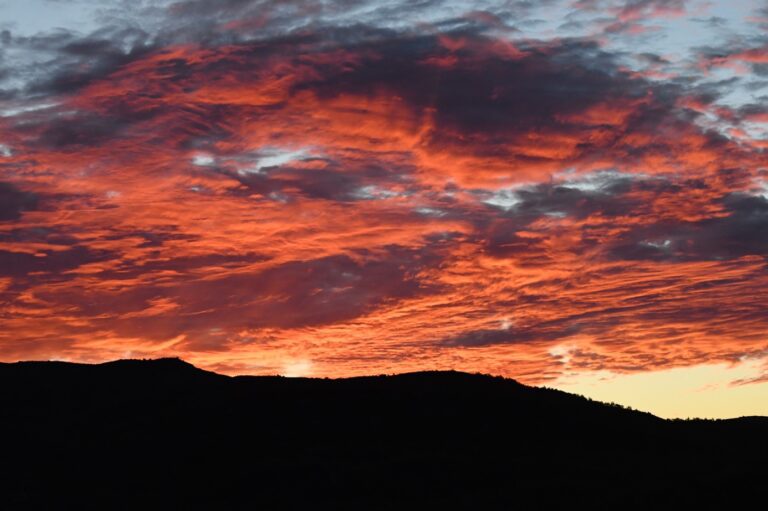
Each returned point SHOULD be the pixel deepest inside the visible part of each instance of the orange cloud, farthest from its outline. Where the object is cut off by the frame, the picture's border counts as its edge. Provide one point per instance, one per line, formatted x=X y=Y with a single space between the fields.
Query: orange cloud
x=422 y=202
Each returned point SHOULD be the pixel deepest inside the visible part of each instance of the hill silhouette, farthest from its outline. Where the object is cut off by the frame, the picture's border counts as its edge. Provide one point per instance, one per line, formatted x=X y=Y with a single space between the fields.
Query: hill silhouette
x=162 y=434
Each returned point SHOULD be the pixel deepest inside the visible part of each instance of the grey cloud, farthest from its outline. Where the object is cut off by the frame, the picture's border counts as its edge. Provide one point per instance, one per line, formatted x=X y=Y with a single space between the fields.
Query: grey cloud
x=62 y=61
x=744 y=231
x=13 y=202
x=512 y=335
x=343 y=181
x=290 y=295
x=50 y=262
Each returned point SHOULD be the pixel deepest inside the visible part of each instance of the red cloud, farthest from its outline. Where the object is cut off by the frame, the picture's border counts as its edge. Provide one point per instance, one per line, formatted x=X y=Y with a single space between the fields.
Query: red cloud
x=417 y=202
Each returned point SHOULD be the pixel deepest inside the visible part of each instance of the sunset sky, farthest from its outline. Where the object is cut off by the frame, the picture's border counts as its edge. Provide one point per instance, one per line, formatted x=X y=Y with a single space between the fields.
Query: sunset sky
x=571 y=193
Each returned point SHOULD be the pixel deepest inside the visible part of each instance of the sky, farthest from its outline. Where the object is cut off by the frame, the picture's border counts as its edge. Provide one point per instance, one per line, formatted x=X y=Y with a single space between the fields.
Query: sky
x=571 y=193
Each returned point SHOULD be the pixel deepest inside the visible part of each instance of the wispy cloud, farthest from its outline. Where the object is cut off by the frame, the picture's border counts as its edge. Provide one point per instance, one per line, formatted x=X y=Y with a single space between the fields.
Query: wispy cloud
x=348 y=187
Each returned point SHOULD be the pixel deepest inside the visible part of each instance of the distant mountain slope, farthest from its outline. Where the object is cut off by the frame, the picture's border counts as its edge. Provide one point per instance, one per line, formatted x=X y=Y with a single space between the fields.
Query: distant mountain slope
x=165 y=435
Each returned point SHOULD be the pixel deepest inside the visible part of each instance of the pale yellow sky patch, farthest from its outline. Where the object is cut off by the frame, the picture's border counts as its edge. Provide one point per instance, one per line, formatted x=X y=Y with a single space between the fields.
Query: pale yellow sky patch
x=705 y=391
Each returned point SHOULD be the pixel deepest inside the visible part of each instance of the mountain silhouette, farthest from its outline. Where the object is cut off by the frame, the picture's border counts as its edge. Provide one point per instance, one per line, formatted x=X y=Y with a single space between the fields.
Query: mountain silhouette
x=162 y=434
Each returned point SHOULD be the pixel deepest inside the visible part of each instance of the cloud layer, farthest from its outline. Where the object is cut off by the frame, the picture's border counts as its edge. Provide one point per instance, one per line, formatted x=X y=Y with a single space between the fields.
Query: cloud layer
x=358 y=188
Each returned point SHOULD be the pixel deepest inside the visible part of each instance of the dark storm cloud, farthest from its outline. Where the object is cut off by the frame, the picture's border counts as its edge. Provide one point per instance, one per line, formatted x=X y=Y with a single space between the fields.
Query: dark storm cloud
x=487 y=101
x=743 y=231
x=547 y=199
x=483 y=92
x=608 y=196
x=482 y=101
x=513 y=335
x=753 y=111
x=340 y=181
x=76 y=131
x=291 y=295
x=21 y=264
x=62 y=61
x=743 y=54
x=157 y=239
x=13 y=202
x=501 y=240
x=59 y=129
x=484 y=338
x=48 y=235
x=317 y=291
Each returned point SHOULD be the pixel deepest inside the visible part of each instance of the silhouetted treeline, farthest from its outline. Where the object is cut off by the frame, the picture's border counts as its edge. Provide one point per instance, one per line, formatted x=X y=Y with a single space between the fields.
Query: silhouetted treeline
x=162 y=434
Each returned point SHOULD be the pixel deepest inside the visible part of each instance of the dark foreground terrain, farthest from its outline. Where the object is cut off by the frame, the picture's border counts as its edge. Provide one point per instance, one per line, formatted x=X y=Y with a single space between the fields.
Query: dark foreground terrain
x=165 y=435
